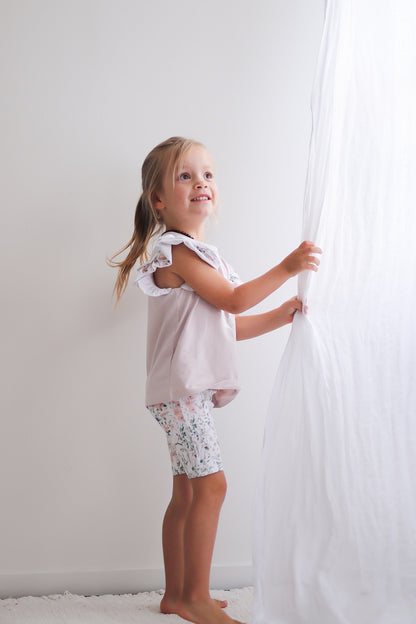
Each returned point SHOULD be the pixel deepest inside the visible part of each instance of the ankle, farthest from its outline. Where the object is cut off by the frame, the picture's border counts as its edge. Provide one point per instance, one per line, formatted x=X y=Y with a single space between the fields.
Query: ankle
x=195 y=596
x=172 y=596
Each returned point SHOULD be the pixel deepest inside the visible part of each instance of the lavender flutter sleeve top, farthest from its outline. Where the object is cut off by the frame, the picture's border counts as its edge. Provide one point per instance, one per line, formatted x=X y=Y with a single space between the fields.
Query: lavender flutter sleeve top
x=191 y=344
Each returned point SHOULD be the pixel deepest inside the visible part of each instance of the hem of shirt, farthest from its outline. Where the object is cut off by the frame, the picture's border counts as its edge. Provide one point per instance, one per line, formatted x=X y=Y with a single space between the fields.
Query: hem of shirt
x=188 y=393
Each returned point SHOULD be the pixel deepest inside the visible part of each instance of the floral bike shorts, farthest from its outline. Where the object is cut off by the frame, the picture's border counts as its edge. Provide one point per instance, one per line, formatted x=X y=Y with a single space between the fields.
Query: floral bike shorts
x=191 y=434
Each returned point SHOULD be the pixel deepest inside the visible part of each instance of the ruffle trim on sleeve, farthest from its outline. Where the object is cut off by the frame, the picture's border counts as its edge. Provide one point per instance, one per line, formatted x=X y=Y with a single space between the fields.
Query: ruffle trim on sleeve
x=162 y=257
x=233 y=277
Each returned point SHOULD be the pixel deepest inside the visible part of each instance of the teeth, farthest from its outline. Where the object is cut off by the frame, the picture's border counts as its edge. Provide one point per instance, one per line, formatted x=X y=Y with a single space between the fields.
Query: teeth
x=200 y=198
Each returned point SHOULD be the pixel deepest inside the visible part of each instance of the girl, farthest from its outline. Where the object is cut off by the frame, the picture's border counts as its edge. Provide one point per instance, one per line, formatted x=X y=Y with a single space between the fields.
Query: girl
x=195 y=301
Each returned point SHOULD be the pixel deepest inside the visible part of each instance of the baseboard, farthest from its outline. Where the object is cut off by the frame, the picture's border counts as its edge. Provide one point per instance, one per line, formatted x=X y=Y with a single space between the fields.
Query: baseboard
x=110 y=581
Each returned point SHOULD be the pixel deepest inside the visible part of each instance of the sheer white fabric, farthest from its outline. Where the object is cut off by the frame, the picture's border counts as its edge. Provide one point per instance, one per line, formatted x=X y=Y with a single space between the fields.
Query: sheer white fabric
x=335 y=532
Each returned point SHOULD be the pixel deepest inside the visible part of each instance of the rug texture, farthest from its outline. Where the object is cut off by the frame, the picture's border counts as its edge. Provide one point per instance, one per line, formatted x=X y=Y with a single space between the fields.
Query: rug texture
x=140 y=608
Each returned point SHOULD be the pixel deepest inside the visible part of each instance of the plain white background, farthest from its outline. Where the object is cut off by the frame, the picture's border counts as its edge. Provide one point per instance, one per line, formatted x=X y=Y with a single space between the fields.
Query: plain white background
x=89 y=87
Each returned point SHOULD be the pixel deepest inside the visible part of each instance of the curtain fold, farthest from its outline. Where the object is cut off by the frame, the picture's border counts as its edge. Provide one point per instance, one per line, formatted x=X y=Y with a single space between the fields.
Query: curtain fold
x=335 y=528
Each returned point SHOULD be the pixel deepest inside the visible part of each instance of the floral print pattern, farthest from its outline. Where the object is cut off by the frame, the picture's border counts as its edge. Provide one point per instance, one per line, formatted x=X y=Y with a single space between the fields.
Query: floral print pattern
x=150 y=267
x=192 y=438
x=207 y=254
x=233 y=277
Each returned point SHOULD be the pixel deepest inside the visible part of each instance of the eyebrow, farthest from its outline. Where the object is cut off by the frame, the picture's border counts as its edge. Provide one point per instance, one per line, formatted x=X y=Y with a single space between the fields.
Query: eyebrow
x=203 y=167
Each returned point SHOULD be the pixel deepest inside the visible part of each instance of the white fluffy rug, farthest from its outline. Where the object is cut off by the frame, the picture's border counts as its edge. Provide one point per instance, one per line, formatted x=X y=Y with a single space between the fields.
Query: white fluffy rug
x=140 y=608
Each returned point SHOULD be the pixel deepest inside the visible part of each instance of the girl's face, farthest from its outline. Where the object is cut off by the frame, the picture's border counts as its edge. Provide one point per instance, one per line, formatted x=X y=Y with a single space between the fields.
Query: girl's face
x=187 y=200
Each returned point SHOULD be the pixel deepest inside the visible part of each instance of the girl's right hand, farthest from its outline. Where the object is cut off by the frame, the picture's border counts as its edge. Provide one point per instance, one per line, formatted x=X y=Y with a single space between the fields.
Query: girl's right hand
x=302 y=259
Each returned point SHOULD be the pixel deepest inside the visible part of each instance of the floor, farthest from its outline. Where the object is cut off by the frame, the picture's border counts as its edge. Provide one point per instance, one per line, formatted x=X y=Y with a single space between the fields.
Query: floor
x=140 y=608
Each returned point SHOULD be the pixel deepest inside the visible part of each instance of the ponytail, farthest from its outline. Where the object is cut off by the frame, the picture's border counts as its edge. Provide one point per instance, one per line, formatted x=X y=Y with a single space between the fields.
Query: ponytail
x=146 y=224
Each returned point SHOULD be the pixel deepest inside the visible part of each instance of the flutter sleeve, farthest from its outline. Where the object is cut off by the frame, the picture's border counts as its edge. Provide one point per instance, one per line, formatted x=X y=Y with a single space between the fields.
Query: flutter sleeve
x=162 y=257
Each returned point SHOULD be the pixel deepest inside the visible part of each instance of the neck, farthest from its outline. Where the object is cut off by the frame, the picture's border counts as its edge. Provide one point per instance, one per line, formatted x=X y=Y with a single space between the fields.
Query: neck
x=178 y=232
x=194 y=232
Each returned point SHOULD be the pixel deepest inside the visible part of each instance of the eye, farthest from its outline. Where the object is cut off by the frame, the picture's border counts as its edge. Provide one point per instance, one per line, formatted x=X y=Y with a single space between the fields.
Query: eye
x=184 y=176
x=209 y=175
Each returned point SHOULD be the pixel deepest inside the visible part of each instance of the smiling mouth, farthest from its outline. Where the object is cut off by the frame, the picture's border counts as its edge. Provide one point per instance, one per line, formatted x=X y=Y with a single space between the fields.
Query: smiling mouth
x=201 y=198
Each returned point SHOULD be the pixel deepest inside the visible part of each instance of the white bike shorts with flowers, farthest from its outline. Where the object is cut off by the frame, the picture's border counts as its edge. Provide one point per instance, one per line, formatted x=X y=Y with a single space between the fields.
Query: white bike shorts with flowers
x=191 y=434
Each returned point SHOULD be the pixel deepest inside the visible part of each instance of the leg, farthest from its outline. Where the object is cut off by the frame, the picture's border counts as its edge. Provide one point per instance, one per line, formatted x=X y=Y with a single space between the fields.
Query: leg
x=173 y=546
x=172 y=540
x=191 y=520
x=200 y=532
x=199 y=538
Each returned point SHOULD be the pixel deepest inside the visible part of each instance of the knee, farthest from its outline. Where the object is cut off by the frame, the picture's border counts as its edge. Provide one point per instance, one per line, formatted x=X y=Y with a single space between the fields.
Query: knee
x=212 y=487
x=181 y=504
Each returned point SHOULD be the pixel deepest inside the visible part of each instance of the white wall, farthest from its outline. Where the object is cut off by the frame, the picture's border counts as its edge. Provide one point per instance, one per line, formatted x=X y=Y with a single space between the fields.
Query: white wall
x=90 y=87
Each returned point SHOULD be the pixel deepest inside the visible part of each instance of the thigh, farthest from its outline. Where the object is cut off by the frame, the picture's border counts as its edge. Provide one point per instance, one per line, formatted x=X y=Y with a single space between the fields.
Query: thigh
x=197 y=441
x=166 y=415
x=191 y=434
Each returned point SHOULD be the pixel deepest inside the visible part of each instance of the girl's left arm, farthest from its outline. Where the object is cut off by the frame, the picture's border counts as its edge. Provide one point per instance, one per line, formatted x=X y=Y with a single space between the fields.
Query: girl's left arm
x=258 y=324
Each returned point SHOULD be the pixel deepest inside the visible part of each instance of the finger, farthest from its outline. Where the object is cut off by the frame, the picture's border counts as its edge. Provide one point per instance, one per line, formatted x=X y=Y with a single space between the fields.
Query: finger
x=306 y=244
x=312 y=246
x=294 y=305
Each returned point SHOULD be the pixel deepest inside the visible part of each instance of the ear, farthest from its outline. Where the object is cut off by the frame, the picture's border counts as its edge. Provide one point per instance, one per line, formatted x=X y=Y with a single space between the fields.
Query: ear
x=157 y=202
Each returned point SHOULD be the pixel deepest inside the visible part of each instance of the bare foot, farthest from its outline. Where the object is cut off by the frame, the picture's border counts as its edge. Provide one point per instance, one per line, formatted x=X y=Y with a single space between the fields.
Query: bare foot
x=171 y=606
x=204 y=612
x=221 y=603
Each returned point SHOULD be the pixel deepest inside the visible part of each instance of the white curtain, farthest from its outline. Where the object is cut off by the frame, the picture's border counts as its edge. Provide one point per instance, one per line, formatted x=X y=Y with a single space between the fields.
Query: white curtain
x=335 y=532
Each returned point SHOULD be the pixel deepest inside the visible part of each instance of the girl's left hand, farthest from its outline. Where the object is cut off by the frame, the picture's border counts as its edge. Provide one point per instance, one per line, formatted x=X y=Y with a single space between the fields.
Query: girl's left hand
x=258 y=324
x=289 y=308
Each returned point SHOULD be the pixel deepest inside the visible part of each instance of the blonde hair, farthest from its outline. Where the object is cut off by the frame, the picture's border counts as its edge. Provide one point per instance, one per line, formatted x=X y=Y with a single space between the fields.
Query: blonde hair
x=148 y=222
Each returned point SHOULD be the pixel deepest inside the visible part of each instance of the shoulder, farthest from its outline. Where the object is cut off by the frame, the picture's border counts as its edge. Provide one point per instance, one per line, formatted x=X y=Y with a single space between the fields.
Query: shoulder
x=184 y=247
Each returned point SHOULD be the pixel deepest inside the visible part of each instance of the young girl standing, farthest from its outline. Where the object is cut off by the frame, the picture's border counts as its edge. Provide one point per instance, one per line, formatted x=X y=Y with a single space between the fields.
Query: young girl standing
x=195 y=301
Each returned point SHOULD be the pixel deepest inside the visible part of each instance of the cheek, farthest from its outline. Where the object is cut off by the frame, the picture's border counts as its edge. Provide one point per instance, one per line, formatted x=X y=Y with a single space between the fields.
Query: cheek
x=179 y=195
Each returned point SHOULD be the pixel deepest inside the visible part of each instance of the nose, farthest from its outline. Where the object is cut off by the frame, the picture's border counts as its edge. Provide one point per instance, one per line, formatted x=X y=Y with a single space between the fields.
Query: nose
x=200 y=183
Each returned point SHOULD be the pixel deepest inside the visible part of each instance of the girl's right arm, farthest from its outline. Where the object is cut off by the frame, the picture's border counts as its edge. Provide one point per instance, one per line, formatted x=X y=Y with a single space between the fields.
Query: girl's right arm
x=214 y=288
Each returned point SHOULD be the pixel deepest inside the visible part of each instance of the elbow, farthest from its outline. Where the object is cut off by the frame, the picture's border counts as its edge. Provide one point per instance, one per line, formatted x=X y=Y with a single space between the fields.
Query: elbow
x=236 y=304
x=234 y=307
